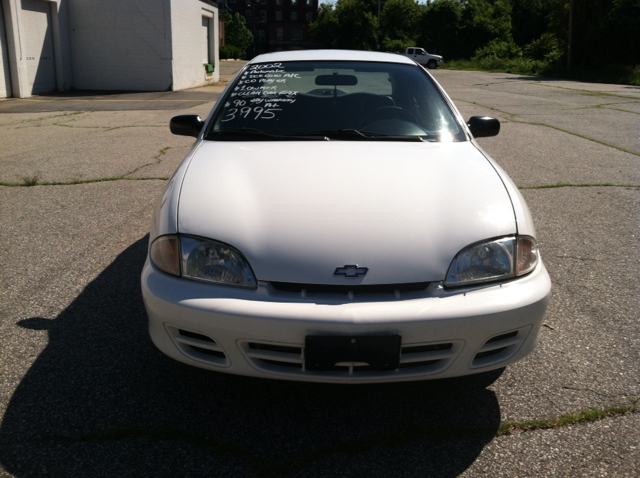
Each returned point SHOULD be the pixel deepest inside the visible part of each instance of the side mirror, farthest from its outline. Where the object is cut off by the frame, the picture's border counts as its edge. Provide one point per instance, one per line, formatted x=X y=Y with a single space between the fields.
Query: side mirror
x=186 y=125
x=483 y=126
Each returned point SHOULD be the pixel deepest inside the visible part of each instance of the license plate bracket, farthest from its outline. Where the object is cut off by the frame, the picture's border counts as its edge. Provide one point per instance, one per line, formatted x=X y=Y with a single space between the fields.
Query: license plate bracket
x=323 y=352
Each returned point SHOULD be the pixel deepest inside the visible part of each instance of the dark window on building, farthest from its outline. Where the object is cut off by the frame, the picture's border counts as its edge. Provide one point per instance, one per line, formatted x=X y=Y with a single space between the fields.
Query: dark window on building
x=296 y=34
x=309 y=16
x=279 y=33
x=278 y=16
x=294 y=16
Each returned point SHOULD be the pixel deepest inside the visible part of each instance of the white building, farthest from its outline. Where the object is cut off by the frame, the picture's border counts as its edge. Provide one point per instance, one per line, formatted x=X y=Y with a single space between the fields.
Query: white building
x=135 y=45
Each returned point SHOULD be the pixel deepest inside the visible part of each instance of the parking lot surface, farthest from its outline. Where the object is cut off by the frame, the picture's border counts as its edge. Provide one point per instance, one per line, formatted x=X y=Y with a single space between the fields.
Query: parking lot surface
x=83 y=391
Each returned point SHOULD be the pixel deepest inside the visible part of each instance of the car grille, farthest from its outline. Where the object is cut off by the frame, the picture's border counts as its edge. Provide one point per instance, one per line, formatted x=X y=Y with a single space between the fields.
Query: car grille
x=415 y=359
x=198 y=346
x=500 y=347
x=351 y=290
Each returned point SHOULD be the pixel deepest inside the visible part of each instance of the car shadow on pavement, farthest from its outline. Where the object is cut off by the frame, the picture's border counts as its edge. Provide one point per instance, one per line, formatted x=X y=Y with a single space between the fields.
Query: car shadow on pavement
x=100 y=400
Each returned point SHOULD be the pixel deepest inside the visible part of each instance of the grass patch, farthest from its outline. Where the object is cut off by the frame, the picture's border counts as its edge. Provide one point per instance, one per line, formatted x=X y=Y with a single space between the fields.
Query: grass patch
x=572 y=185
x=30 y=180
x=77 y=180
x=613 y=74
x=567 y=419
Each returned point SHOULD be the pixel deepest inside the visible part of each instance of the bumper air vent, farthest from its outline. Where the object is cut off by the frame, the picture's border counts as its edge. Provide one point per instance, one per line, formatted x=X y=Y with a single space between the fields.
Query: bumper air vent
x=415 y=359
x=499 y=347
x=198 y=346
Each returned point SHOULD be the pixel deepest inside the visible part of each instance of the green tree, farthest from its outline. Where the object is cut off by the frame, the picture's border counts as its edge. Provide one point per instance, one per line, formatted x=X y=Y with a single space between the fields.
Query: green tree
x=325 y=29
x=484 y=21
x=349 y=25
x=399 y=23
x=440 y=28
x=530 y=19
x=236 y=32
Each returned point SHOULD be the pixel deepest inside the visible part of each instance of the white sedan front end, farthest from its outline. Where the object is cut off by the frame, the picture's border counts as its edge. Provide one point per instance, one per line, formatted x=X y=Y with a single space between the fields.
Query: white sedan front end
x=350 y=233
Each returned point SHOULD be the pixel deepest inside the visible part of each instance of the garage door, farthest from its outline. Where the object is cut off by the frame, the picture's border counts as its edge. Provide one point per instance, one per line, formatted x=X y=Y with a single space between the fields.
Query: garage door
x=37 y=43
x=5 y=78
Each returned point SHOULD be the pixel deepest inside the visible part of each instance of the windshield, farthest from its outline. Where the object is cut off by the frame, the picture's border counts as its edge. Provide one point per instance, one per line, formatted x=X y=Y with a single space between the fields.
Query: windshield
x=334 y=100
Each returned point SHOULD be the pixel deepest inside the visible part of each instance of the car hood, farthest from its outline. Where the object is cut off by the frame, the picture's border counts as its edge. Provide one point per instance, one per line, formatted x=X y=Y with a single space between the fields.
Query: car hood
x=298 y=210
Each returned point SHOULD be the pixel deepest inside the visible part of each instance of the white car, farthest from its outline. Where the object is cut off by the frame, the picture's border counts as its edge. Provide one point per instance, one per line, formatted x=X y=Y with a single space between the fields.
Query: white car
x=335 y=221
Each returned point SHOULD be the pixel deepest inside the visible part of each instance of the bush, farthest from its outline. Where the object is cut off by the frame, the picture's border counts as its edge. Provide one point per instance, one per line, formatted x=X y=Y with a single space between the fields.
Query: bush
x=397 y=45
x=230 y=52
x=520 y=66
x=498 y=49
x=546 y=48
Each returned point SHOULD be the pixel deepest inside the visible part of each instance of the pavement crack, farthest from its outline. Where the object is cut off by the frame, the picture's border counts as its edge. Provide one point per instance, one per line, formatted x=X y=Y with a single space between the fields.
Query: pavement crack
x=604 y=143
x=587 y=416
x=43 y=118
x=579 y=185
x=157 y=160
x=584 y=259
x=587 y=389
x=587 y=92
x=77 y=181
x=484 y=106
x=266 y=467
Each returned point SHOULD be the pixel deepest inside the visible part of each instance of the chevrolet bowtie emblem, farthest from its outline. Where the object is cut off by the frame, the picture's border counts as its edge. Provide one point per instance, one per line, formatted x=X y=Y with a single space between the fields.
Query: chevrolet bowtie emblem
x=350 y=271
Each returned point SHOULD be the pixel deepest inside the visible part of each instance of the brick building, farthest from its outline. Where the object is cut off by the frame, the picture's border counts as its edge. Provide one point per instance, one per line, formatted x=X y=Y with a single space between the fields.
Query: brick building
x=277 y=25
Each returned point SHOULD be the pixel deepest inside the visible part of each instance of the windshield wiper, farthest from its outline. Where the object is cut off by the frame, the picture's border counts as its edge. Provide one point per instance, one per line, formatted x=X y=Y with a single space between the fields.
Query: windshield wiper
x=242 y=134
x=359 y=135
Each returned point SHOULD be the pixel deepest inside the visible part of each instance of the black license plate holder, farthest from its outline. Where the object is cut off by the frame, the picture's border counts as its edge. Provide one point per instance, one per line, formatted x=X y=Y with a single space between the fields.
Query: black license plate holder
x=323 y=352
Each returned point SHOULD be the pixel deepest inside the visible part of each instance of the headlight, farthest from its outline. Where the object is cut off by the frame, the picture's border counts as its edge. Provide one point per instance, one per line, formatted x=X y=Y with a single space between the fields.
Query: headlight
x=203 y=260
x=212 y=261
x=493 y=260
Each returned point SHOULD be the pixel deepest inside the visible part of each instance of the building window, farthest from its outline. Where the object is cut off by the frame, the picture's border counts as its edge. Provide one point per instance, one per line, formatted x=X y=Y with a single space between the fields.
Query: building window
x=296 y=34
x=294 y=16
x=278 y=16
x=309 y=2
x=279 y=33
x=264 y=2
x=294 y=2
x=247 y=15
x=309 y=16
x=263 y=16
x=278 y=2
x=261 y=36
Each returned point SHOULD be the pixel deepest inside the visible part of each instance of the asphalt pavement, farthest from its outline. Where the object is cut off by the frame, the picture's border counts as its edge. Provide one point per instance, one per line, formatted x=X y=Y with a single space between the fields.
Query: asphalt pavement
x=83 y=391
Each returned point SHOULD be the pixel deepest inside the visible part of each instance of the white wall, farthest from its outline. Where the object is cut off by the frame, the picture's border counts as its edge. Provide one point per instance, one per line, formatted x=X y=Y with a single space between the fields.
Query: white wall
x=139 y=45
x=37 y=46
x=5 y=70
x=121 y=44
x=188 y=42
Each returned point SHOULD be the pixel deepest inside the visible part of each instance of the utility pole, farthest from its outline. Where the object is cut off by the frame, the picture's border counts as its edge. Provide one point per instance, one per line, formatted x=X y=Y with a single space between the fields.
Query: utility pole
x=378 y=29
x=570 y=45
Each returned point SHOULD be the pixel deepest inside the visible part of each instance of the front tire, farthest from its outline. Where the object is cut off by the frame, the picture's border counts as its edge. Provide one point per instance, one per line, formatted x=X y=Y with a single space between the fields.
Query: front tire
x=432 y=64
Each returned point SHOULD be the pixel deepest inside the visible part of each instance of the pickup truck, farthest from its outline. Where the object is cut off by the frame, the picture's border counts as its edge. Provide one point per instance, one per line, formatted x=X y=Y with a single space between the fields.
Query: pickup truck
x=424 y=58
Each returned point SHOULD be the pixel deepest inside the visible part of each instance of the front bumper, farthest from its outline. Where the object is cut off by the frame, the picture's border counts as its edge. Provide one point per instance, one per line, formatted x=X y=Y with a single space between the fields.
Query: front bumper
x=261 y=333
